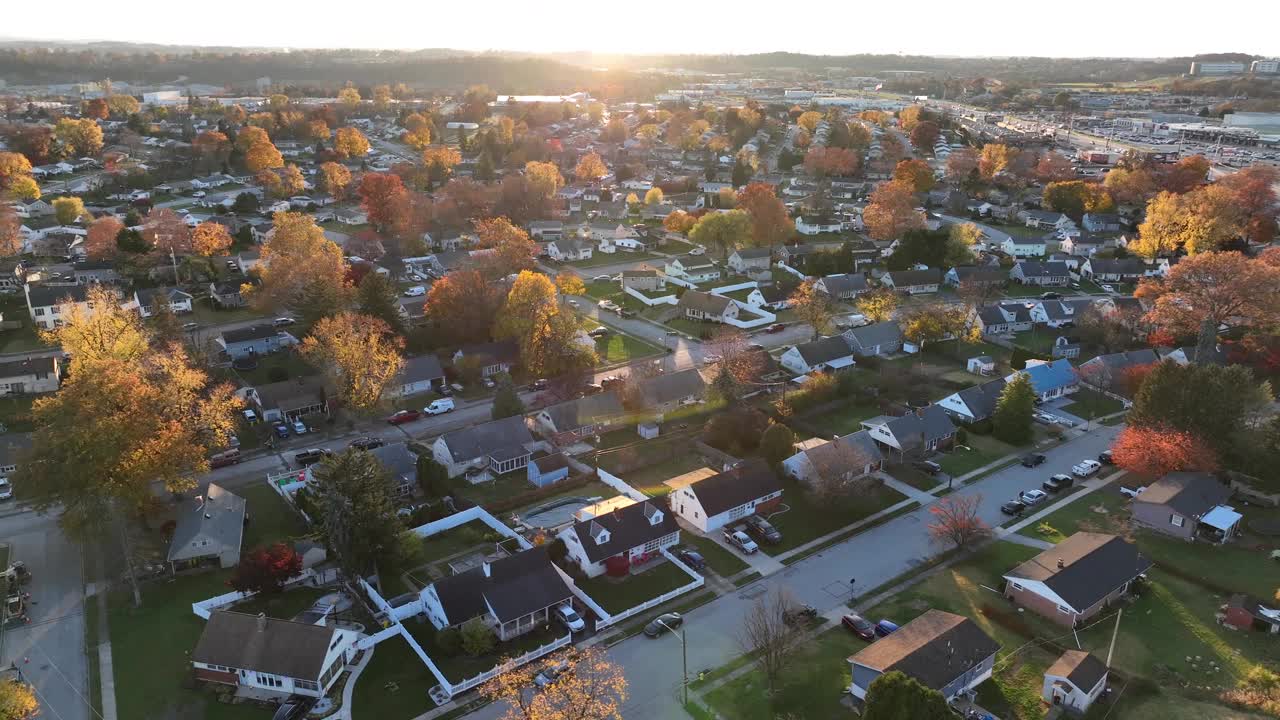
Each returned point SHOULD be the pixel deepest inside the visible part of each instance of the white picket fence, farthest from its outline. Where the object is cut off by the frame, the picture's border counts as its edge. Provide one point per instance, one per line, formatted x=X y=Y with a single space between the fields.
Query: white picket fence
x=734 y=288
x=620 y=485
x=788 y=268
x=650 y=301
x=463 y=686
x=205 y=608
x=763 y=317
x=462 y=518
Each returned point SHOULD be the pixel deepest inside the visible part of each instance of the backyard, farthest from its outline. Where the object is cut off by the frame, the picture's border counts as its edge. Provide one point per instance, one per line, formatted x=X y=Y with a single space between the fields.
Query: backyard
x=805 y=518
x=841 y=420
x=15 y=413
x=616 y=595
x=277 y=367
x=646 y=465
x=1091 y=404
x=618 y=347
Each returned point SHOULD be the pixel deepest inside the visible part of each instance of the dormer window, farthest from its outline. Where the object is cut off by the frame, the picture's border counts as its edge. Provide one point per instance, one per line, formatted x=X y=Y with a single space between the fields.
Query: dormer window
x=598 y=533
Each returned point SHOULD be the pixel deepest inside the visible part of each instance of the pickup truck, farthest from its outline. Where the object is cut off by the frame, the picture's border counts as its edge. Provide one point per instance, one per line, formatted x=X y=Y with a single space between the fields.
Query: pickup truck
x=1086 y=468
x=739 y=539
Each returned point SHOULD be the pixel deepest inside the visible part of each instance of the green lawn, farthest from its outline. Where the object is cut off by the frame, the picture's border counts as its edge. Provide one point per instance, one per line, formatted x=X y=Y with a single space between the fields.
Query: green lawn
x=721 y=561
x=291 y=363
x=843 y=420
x=1103 y=510
x=22 y=339
x=911 y=476
x=208 y=316
x=451 y=542
x=15 y=413
x=983 y=450
x=807 y=519
x=694 y=328
x=619 y=347
x=810 y=687
x=670 y=459
x=1038 y=341
x=616 y=595
x=270 y=518
x=285 y=606
x=394 y=685
x=599 y=258
x=1018 y=290
x=1091 y=404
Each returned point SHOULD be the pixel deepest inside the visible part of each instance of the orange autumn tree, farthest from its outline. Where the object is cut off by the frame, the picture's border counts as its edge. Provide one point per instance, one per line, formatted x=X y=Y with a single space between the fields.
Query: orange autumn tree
x=892 y=212
x=210 y=238
x=381 y=196
x=1222 y=287
x=770 y=223
x=100 y=242
x=1154 y=452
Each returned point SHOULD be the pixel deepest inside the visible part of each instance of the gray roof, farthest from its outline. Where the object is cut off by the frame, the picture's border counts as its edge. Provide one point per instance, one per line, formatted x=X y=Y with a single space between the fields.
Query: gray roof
x=399 y=462
x=867 y=336
x=513 y=587
x=1035 y=268
x=824 y=350
x=848 y=282
x=487 y=438
x=1080 y=668
x=669 y=387
x=1189 y=493
x=289 y=395
x=751 y=480
x=49 y=296
x=28 y=366
x=551 y=463
x=981 y=399
x=263 y=644
x=908 y=278
x=1085 y=568
x=704 y=302
x=833 y=455
x=421 y=367
x=216 y=520
x=935 y=649
x=1121 y=266
x=629 y=527
x=753 y=253
x=251 y=333
x=583 y=411
x=1122 y=360
x=927 y=424
x=973 y=273
x=995 y=314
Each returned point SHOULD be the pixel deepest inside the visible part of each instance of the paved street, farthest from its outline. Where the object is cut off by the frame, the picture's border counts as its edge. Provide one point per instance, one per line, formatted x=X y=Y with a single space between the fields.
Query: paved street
x=652 y=667
x=49 y=650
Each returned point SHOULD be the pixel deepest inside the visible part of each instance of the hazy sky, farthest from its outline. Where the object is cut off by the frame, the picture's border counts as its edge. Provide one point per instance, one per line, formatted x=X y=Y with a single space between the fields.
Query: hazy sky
x=927 y=27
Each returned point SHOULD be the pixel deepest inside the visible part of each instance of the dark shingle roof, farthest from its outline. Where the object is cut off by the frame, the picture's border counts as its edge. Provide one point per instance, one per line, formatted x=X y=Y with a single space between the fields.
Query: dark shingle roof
x=1080 y=668
x=29 y=366
x=54 y=294
x=907 y=278
x=1085 y=568
x=935 y=649
x=263 y=644
x=1035 y=268
x=1189 y=493
x=981 y=399
x=749 y=481
x=487 y=438
x=867 y=336
x=584 y=411
x=824 y=350
x=704 y=302
x=629 y=527
x=253 y=332
x=669 y=387
x=513 y=586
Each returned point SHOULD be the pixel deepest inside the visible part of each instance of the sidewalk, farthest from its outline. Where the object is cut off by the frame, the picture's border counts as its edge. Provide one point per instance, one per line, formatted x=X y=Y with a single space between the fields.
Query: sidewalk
x=1087 y=487
x=847 y=529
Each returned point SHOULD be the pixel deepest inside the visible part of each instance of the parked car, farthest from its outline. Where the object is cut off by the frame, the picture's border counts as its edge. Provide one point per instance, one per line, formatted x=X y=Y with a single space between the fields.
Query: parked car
x=489 y=383
x=763 y=529
x=663 y=623
x=250 y=417
x=1058 y=482
x=739 y=539
x=692 y=559
x=367 y=443
x=1086 y=468
x=415 y=291
x=1105 y=458
x=311 y=456
x=886 y=627
x=224 y=458
x=570 y=617
x=1032 y=460
x=550 y=674
x=439 y=407
x=539 y=384
x=1049 y=296
x=282 y=430
x=1031 y=497
x=283 y=322
x=404 y=416
x=1013 y=507
x=1107 y=288
x=190 y=327
x=859 y=626
x=775 y=328
x=599 y=332
x=1043 y=418
x=299 y=427
x=927 y=466
x=601 y=278
x=1131 y=491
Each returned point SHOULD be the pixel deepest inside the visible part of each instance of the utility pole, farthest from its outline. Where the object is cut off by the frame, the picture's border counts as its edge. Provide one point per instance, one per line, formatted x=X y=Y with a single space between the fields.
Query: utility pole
x=1114 y=632
x=684 y=658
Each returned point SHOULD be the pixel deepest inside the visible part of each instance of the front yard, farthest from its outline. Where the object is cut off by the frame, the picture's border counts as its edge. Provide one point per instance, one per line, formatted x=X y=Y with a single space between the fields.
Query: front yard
x=599 y=259
x=721 y=561
x=616 y=595
x=1091 y=404
x=619 y=347
x=803 y=518
x=981 y=450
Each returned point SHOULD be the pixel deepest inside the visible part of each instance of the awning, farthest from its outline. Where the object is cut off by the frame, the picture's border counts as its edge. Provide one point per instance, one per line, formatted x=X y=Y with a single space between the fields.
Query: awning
x=1222 y=517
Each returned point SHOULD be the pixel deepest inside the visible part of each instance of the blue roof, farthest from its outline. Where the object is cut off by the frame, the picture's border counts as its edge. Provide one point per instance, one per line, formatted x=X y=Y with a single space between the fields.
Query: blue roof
x=1051 y=376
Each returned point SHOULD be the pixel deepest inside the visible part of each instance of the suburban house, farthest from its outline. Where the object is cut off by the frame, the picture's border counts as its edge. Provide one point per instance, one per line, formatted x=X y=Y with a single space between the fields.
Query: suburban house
x=492 y=357
x=43 y=302
x=1245 y=612
x=614 y=541
x=351 y=216
x=209 y=529
x=749 y=261
x=1058 y=313
x=547 y=470
x=1025 y=246
x=96 y=271
x=974 y=403
x=261 y=339
x=1050 y=379
x=546 y=230
x=31 y=209
x=1107 y=271
x=1187 y=505
x=1003 y=319
x=401 y=466
x=717 y=500
x=970 y=275
x=1045 y=274
x=698 y=305
x=570 y=249
x=842 y=287
x=794 y=255
x=922 y=431
x=497 y=447
x=513 y=594
x=668 y=391
x=290 y=399
x=33 y=375
x=148 y=301
x=691 y=269
x=14 y=448
x=1074 y=680
x=643 y=280
x=419 y=374
x=572 y=420
x=1108 y=371
x=843 y=459
x=829 y=353
x=880 y=338
x=913 y=282
x=1084 y=245
x=815 y=226
x=944 y=652
x=1046 y=220
x=1102 y=222
x=226 y=295
x=1076 y=579
x=280 y=656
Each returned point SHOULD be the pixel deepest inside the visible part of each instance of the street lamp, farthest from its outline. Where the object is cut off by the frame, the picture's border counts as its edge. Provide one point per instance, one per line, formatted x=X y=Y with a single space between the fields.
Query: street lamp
x=684 y=656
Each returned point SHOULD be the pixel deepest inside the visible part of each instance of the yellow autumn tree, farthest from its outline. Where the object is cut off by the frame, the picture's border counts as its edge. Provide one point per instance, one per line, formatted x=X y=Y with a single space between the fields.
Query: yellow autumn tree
x=301 y=269
x=543 y=178
x=570 y=284
x=359 y=354
x=334 y=179
x=210 y=239
x=590 y=168
x=593 y=689
x=349 y=142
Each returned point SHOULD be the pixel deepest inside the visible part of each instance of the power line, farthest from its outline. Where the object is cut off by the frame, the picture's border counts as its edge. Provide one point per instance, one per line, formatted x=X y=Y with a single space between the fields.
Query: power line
x=43 y=702
x=68 y=682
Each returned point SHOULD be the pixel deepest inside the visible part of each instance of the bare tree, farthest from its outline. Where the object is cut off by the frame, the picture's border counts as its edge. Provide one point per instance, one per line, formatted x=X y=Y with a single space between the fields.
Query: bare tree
x=585 y=685
x=838 y=469
x=956 y=521
x=978 y=293
x=766 y=636
x=731 y=344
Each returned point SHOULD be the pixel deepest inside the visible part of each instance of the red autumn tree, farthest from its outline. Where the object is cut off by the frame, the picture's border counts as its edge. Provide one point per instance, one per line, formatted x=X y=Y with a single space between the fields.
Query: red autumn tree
x=1252 y=191
x=1156 y=452
x=381 y=197
x=924 y=134
x=1131 y=378
x=166 y=232
x=1223 y=287
x=824 y=161
x=265 y=570
x=956 y=521
x=462 y=306
x=892 y=212
x=100 y=242
x=770 y=224
x=96 y=108
x=1186 y=175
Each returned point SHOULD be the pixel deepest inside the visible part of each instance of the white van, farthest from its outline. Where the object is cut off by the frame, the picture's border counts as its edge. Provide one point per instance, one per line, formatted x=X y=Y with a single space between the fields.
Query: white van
x=439 y=407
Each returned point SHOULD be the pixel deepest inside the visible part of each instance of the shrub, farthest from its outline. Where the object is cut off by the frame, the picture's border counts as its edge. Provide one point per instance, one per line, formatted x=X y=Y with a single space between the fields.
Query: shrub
x=962 y=436
x=449 y=641
x=981 y=427
x=477 y=637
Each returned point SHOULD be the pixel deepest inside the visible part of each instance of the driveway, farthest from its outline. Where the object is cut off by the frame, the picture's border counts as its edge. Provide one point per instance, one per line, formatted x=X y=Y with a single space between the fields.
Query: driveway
x=652 y=667
x=49 y=649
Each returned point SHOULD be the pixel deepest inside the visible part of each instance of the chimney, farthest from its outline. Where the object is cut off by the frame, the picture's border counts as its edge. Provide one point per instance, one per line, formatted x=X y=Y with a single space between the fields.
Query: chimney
x=1060 y=564
x=262 y=622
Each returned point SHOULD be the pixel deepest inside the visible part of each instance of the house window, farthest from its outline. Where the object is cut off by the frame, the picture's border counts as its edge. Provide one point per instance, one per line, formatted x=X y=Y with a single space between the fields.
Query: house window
x=39 y=312
x=220 y=668
x=1176 y=520
x=1064 y=610
x=306 y=685
x=737 y=512
x=1016 y=586
x=269 y=680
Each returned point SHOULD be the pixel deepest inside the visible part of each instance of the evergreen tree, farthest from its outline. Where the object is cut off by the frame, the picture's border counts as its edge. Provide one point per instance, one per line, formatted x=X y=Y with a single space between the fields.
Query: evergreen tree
x=484 y=168
x=376 y=297
x=894 y=696
x=1012 y=418
x=777 y=444
x=507 y=402
x=724 y=387
x=357 y=514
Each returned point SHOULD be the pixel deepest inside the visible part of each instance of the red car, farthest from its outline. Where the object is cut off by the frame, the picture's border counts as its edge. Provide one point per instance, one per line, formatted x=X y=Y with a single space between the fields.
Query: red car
x=860 y=626
x=404 y=416
x=776 y=327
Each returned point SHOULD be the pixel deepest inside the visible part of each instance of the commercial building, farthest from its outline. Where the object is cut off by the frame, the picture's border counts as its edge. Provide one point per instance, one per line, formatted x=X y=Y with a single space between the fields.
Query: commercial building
x=1216 y=68
x=1265 y=67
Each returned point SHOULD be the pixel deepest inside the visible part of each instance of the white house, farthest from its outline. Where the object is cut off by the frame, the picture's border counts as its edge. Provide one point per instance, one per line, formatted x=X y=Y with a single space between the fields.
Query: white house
x=43 y=302
x=697 y=305
x=621 y=537
x=974 y=403
x=1074 y=681
x=30 y=375
x=713 y=502
x=814 y=226
x=830 y=353
x=924 y=430
x=750 y=260
x=280 y=656
x=846 y=458
x=569 y=250
x=498 y=447
x=148 y=301
x=691 y=269
x=1025 y=247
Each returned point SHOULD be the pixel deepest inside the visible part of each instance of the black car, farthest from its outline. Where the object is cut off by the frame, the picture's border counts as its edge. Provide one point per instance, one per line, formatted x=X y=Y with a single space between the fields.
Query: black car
x=859 y=626
x=663 y=623
x=763 y=529
x=692 y=559
x=367 y=443
x=1013 y=507
x=1104 y=457
x=1058 y=483
x=539 y=384
x=1032 y=460
x=927 y=466
x=306 y=458
x=1049 y=296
